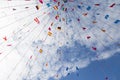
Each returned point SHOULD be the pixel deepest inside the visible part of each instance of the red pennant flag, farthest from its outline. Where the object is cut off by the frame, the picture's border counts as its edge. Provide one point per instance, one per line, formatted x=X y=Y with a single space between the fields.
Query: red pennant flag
x=112 y=5
x=88 y=37
x=5 y=38
x=84 y=28
x=37 y=20
x=94 y=48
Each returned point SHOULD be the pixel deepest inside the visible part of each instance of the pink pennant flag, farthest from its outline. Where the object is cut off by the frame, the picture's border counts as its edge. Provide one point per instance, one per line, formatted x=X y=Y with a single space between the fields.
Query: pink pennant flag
x=41 y=1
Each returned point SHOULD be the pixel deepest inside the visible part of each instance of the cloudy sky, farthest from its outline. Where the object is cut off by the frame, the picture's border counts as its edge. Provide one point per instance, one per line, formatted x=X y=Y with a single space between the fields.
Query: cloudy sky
x=59 y=39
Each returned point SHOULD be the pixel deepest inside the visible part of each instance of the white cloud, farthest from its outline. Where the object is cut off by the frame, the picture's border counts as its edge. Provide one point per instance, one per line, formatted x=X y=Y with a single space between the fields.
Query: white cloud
x=50 y=63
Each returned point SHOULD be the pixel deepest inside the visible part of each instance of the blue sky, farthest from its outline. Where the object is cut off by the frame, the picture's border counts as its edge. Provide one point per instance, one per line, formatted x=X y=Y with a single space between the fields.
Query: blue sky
x=98 y=70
